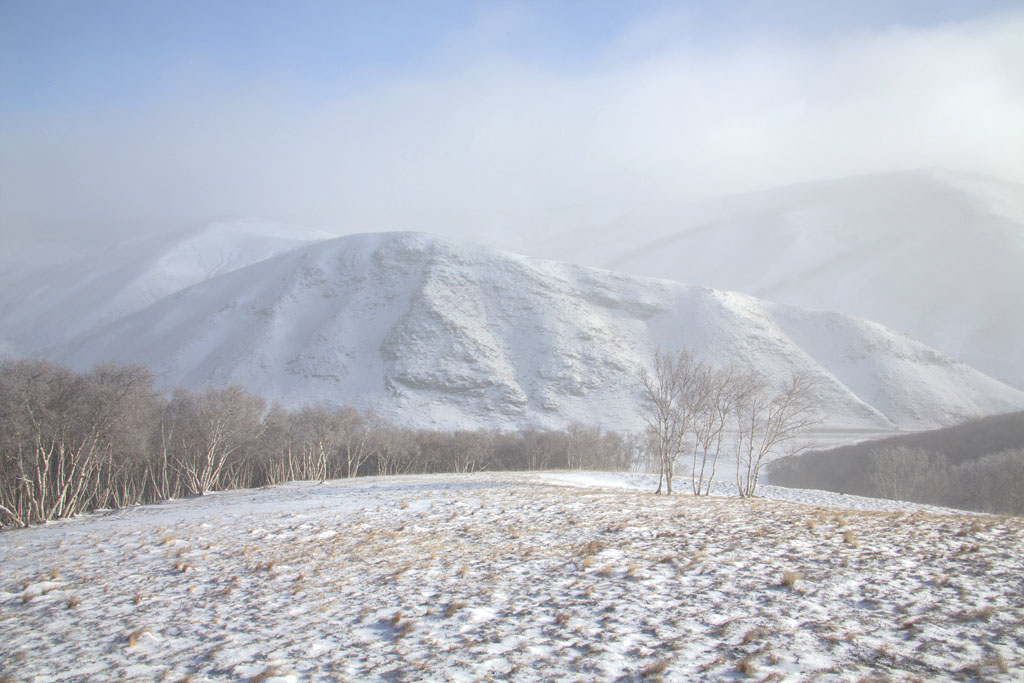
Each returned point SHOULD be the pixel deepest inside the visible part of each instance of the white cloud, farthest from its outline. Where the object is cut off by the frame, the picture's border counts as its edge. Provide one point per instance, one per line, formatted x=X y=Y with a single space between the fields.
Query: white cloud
x=495 y=134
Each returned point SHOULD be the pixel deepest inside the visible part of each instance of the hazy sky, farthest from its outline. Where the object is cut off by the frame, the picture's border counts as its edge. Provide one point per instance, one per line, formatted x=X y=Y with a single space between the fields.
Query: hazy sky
x=413 y=115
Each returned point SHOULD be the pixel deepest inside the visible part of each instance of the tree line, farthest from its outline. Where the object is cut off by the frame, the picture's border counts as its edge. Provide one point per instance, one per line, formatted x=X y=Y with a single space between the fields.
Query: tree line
x=978 y=465
x=76 y=442
x=992 y=483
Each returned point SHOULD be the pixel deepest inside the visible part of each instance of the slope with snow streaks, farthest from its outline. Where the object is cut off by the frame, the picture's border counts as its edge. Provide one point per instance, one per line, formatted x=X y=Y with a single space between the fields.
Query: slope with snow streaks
x=431 y=333
x=936 y=255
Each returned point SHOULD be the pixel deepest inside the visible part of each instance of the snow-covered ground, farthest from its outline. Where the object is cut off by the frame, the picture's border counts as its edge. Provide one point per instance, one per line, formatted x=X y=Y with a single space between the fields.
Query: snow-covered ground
x=554 y=576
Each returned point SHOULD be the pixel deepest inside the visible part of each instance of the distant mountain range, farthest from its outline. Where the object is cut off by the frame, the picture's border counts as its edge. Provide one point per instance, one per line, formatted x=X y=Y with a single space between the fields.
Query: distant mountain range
x=436 y=332
x=933 y=254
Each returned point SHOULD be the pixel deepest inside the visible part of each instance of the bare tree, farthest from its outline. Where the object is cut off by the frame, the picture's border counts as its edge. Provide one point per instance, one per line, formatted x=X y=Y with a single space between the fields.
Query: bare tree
x=354 y=446
x=119 y=405
x=36 y=402
x=672 y=391
x=581 y=443
x=69 y=442
x=210 y=428
x=275 y=456
x=906 y=473
x=391 y=447
x=320 y=431
x=769 y=418
x=993 y=483
x=467 y=451
x=893 y=469
x=541 y=449
x=717 y=401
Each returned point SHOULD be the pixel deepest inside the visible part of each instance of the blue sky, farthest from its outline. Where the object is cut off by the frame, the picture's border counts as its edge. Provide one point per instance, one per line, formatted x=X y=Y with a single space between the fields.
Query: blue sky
x=56 y=56
x=391 y=113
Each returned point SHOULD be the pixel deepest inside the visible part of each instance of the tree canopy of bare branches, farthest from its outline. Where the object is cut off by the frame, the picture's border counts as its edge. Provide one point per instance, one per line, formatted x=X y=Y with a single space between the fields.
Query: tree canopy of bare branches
x=769 y=418
x=692 y=404
x=72 y=443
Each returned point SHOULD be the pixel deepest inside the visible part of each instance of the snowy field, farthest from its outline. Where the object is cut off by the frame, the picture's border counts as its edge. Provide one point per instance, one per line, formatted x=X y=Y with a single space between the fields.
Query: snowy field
x=560 y=576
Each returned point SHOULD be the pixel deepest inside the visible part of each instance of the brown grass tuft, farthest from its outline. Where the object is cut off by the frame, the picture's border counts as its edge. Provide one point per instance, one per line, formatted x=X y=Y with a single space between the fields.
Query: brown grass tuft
x=590 y=549
x=754 y=634
x=452 y=608
x=980 y=614
x=790 y=579
x=747 y=667
x=656 y=669
x=134 y=636
x=269 y=672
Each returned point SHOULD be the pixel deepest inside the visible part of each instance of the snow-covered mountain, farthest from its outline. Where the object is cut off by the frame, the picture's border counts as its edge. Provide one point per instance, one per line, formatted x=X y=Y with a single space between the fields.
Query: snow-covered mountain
x=49 y=297
x=430 y=332
x=936 y=255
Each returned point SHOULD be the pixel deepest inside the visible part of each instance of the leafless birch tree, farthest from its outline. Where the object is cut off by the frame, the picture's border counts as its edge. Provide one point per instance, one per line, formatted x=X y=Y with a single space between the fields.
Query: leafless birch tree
x=671 y=393
x=769 y=418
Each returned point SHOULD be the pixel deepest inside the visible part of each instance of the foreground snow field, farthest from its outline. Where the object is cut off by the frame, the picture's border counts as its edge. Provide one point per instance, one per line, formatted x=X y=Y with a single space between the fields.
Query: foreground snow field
x=560 y=576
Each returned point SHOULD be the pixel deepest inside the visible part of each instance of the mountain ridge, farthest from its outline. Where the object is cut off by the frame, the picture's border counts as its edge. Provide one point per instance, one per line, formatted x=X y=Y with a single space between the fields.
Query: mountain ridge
x=934 y=254
x=434 y=333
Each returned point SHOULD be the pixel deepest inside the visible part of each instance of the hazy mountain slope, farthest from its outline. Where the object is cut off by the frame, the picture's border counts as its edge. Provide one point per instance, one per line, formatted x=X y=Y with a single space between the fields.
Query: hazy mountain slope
x=976 y=465
x=428 y=332
x=51 y=297
x=935 y=255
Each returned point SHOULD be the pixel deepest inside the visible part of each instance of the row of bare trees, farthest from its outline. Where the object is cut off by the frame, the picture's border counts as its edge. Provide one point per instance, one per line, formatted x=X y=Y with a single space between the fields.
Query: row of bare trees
x=993 y=483
x=695 y=407
x=74 y=442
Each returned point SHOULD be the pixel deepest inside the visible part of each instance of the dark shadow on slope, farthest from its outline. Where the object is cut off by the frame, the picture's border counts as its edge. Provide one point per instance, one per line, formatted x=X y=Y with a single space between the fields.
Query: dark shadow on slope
x=978 y=465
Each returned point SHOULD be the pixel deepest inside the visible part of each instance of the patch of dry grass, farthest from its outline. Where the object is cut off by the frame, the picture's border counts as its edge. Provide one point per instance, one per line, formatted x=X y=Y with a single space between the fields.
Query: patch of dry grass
x=452 y=608
x=136 y=635
x=656 y=669
x=790 y=579
x=747 y=667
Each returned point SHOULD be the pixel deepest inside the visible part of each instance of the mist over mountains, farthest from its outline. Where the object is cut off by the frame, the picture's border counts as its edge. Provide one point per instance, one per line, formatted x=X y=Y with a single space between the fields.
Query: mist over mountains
x=934 y=254
x=434 y=333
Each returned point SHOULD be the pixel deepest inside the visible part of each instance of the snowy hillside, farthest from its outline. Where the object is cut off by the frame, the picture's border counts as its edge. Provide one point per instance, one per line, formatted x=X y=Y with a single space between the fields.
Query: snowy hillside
x=49 y=296
x=936 y=255
x=427 y=332
x=510 y=577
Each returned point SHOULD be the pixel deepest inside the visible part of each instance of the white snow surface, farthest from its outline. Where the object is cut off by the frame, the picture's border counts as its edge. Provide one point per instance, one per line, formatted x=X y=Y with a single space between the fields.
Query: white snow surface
x=522 y=577
x=433 y=333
